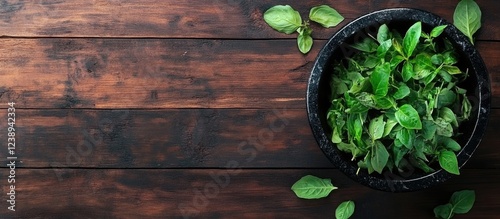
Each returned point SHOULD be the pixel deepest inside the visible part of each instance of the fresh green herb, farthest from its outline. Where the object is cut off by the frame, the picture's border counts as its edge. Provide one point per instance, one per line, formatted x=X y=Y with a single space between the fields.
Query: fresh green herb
x=312 y=187
x=460 y=203
x=325 y=15
x=467 y=18
x=345 y=210
x=285 y=19
x=397 y=102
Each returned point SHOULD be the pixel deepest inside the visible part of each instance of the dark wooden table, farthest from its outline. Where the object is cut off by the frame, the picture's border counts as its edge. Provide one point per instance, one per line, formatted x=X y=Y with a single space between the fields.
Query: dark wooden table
x=194 y=109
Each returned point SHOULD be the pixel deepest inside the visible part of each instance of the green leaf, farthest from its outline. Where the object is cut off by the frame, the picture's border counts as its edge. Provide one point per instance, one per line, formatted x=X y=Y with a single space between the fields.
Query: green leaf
x=349 y=148
x=462 y=201
x=354 y=106
x=304 y=42
x=325 y=15
x=448 y=161
x=389 y=125
x=383 y=48
x=446 y=98
x=449 y=58
x=417 y=162
x=443 y=128
x=338 y=86
x=443 y=211
x=407 y=72
x=467 y=18
x=406 y=137
x=283 y=18
x=380 y=79
x=345 y=210
x=383 y=33
x=436 y=31
x=312 y=187
x=398 y=154
x=451 y=69
x=384 y=102
x=376 y=127
x=408 y=117
x=448 y=116
x=423 y=66
x=449 y=143
x=437 y=59
x=411 y=38
x=428 y=129
x=396 y=60
x=403 y=91
x=367 y=45
x=379 y=157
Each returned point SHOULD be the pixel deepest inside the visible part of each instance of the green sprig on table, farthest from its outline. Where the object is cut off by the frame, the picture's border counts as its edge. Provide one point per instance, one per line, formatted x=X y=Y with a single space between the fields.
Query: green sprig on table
x=285 y=19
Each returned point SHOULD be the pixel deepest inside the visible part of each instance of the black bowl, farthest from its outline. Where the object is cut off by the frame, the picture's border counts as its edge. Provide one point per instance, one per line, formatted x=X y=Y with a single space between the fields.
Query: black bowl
x=477 y=85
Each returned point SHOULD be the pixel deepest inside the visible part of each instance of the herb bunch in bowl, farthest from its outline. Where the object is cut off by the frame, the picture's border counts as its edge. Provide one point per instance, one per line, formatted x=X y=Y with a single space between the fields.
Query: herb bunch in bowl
x=397 y=102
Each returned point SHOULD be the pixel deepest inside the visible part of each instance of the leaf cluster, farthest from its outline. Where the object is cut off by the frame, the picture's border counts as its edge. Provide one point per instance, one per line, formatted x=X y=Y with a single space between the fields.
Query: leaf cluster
x=396 y=102
x=285 y=19
x=460 y=203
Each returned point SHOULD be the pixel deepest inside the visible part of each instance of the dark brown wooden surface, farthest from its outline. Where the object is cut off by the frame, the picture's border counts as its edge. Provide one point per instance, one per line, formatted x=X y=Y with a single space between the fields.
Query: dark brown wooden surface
x=131 y=109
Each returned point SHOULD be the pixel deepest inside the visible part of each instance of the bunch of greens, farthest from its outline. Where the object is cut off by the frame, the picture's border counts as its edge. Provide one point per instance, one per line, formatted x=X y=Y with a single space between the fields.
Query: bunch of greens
x=285 y=19
x=396 y=102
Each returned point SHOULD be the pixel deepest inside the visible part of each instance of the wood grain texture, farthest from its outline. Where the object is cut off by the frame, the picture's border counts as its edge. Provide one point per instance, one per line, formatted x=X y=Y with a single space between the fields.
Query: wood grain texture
x=227 y=193
x=156 y=18
x=165 y=73
x=196 y=138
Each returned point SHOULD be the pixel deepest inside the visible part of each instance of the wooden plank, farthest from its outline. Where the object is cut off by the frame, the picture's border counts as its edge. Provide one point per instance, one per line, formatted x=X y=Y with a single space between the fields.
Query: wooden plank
x=155 y=18
x=105 y=193
x=155 y=73
x=445 y=9
x=182 y=139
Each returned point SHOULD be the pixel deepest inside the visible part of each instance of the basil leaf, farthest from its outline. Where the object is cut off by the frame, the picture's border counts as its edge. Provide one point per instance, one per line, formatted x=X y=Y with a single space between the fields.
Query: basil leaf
x=436 y=31
x=437 y=59
x=423 y=66
x=406 y=137
x=448 y=161
x=376 y=128
x=463 y=201
x=305 y=42
x=407 y=72
x=312 y=187
x=383 y=102
x=412 y=38
x=345 y=210
x=325 y=15
x=354 y=106
x=349 y=148
x=398 y=153
x=443 y=128
x=283 y=18
x=417 y=162
x=402 y=92
x=446 y=98
x=396 y=60
x=389 y=125
x=408 y=117
x=379 y=157
x=383 y=33
x=452 y=70
x=367 y=45
x=383 y=48
x=448 y=116
x=449 y=143
x=380 y=79
x=428 y=129
x=443 y=211
x=467 y=18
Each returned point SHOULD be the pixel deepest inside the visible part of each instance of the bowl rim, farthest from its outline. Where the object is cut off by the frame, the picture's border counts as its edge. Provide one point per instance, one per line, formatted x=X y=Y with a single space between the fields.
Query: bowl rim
x=392 y=182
